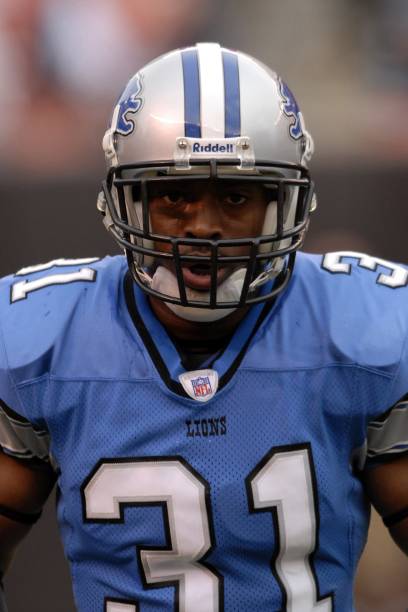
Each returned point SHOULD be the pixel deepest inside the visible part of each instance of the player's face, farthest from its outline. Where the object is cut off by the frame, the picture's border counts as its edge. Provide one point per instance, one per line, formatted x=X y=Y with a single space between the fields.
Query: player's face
x=214 y=210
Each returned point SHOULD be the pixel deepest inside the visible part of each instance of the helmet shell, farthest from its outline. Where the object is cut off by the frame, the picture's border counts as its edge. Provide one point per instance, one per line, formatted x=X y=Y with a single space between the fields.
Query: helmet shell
x=206 y=92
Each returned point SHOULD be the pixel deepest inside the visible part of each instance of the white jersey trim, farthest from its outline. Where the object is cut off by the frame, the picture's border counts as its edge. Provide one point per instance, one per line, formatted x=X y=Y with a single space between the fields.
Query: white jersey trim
x=389 y=435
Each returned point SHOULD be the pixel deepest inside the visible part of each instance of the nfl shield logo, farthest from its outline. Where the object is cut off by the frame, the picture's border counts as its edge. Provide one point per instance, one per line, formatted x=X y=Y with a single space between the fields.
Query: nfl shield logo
x=201 y=386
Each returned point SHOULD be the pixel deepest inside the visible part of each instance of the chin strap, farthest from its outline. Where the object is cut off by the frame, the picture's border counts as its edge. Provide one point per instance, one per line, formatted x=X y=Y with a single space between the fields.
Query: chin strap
x=201 y=315
x=165 y=282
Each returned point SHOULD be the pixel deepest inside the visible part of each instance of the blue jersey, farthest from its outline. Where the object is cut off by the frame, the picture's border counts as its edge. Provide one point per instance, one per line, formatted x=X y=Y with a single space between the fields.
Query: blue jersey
x=232 y=487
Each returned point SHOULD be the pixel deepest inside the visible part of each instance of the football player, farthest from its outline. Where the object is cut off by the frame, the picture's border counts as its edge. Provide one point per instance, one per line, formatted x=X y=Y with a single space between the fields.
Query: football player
x=215 y=415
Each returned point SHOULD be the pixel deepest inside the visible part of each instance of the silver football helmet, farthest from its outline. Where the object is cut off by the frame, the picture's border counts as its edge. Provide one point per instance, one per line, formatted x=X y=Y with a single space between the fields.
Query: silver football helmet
x=206 y=113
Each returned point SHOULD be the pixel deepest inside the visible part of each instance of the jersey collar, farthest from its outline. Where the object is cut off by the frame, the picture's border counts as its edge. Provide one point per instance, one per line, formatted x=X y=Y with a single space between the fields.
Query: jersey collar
x=163 y=352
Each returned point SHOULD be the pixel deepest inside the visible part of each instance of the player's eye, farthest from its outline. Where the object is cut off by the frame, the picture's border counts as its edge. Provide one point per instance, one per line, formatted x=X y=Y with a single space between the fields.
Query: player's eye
x=174 y=197
x=235 y=198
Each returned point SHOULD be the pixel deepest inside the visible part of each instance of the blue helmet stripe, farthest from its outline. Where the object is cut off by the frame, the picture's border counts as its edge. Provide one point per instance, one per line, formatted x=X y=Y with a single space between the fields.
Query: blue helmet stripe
x=191 y=80
x=232 y=95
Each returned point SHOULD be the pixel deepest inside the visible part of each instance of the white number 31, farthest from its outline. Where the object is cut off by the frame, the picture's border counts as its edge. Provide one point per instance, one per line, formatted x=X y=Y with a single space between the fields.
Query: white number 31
x=397 y=276
x=282 y=483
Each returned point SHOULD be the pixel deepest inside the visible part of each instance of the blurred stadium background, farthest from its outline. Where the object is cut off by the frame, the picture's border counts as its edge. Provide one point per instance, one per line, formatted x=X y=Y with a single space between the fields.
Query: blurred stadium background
x=63 y=62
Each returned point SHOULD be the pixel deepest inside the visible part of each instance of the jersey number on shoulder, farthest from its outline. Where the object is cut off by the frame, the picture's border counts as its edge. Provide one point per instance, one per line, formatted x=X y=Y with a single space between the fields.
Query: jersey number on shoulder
x=283 y=483
x=21 y=289
x=394 y=277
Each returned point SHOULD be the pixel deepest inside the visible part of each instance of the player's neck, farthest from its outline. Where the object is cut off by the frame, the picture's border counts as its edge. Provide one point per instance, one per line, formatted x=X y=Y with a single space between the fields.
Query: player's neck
x=194 y=331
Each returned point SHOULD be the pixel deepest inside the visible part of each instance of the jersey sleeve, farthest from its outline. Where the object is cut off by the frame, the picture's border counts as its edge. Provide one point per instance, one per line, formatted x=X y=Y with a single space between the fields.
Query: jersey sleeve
x=18 y=436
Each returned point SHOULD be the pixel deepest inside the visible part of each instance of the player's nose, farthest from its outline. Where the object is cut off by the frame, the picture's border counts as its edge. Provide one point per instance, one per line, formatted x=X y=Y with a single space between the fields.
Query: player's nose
x=204 y=220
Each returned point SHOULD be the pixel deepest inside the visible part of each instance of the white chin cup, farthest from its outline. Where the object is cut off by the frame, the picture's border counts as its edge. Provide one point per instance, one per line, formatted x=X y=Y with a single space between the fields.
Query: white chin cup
x=165 y=282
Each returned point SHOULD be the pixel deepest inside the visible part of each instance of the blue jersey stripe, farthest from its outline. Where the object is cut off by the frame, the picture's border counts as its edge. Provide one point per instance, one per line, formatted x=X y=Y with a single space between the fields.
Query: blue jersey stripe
x=191 y=79
x=232 y=95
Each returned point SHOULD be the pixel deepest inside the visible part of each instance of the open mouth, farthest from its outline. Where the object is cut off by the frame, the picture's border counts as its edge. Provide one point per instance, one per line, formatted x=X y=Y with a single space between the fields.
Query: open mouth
x=198 y=276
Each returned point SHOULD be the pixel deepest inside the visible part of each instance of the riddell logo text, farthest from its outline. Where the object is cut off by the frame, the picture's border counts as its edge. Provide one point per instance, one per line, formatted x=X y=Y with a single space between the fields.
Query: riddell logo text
x=213 y=148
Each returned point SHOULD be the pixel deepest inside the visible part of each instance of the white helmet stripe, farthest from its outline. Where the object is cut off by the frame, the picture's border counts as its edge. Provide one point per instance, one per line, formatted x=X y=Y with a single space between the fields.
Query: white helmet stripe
x=212 y=90
x=232 y=95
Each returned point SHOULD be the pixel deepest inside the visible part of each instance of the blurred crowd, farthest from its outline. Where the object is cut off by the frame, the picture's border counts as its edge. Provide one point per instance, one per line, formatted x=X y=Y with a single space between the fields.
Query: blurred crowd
x=62 y=63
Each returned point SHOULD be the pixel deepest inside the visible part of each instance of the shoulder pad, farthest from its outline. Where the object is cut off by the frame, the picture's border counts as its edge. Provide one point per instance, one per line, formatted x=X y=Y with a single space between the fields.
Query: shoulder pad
x=343 y=308
x=41 y=306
